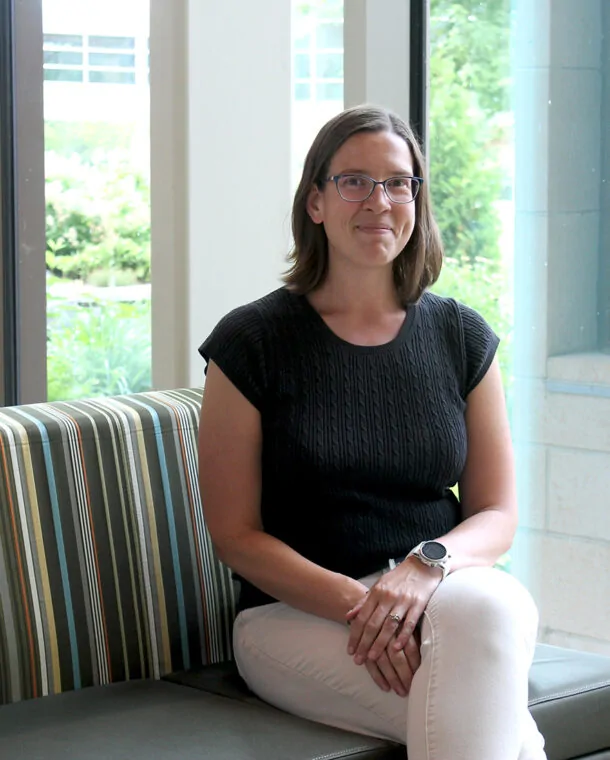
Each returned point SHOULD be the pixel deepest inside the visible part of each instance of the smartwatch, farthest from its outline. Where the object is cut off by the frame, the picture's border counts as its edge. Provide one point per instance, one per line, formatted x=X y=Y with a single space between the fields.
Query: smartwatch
x=432 y=554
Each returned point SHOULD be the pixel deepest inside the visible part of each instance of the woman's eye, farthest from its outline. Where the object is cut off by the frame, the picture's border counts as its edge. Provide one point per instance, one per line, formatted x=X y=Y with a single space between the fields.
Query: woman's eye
x=354 y=181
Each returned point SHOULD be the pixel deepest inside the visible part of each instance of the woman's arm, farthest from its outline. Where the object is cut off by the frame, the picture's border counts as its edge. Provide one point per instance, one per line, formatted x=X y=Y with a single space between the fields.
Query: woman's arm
x=487 y=486
x=230 y=445
x=489 y=508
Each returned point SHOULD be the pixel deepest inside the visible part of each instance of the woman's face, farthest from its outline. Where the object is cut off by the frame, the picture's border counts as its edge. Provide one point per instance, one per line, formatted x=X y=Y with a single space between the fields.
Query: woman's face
x=373 y=232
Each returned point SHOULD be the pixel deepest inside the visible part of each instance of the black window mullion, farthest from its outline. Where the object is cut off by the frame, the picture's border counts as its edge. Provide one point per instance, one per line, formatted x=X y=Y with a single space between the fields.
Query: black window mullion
x=418 y=85
x=8 y=204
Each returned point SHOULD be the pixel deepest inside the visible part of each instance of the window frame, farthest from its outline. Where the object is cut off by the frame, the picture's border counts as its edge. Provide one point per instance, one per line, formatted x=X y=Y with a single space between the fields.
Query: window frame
x=86 y=49
x=9 y=335
x=313 y=81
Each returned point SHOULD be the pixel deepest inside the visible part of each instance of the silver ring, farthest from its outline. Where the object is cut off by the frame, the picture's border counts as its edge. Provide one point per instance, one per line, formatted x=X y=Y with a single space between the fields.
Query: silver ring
x=395 y=617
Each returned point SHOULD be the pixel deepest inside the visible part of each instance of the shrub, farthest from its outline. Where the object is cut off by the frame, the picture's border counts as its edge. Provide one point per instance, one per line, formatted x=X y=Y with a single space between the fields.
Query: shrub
x=470 y=70
x=465 y=176
x=86 y=139
x=98 y=217
x=99 y=349
x=483 y=286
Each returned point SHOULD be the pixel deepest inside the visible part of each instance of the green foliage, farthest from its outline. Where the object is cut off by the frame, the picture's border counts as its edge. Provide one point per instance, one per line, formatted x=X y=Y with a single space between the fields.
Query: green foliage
x=475 y=37
x=98 y=349
x=87 y=139
x=482 y=285
x=469 y=134
x=464 y=173
x=98 y=217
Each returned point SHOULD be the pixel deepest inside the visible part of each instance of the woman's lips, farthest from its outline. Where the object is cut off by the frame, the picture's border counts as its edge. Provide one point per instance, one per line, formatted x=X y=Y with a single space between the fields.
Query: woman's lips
x=370 y=229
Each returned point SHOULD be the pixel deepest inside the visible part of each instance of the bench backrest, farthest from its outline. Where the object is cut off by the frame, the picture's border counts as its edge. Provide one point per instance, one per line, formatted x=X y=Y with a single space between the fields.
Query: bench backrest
x=106 y=568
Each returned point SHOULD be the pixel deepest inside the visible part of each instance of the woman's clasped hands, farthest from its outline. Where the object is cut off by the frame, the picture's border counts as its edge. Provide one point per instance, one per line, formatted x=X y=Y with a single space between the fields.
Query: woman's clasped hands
x=384 y=633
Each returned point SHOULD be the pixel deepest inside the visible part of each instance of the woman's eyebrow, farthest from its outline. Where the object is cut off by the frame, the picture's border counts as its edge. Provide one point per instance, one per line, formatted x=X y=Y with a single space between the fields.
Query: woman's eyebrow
x=394 y=173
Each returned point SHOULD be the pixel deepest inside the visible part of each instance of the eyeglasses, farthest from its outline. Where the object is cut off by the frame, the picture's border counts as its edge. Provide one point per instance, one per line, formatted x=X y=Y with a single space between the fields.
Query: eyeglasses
x=356 y=188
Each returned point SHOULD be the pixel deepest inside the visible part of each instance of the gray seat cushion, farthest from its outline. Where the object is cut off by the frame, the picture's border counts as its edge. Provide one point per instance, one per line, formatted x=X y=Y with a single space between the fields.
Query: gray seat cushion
x=141 y=720
x=569 y=698
x=570 y=701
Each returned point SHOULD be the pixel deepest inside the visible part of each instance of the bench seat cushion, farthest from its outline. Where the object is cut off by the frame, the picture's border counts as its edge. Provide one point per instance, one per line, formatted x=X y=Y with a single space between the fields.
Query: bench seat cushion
x=569 y=698
x=570 y=701
x=141 y=720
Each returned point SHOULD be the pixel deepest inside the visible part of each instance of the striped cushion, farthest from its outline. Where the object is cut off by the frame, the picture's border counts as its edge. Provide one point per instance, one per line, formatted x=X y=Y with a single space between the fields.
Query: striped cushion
x=106 y=568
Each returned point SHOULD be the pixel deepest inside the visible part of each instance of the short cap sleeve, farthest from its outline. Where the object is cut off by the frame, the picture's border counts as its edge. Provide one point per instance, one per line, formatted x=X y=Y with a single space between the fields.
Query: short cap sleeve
x=480 y=345
x=236 y=346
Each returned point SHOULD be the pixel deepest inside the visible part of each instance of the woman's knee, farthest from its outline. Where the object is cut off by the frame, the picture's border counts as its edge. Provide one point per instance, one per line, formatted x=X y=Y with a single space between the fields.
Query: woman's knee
x=488 y=602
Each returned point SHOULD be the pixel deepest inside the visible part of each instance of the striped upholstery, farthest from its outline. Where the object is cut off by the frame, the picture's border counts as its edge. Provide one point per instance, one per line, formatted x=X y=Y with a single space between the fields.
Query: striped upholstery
x=106 y=567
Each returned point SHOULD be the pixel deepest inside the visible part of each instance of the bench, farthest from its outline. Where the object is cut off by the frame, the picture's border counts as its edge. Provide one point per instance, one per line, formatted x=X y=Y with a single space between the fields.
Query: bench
x=115 y=614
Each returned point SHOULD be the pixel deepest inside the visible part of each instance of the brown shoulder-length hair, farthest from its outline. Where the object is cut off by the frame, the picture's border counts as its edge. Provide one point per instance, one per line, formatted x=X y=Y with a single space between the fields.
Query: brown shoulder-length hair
x=419 y=263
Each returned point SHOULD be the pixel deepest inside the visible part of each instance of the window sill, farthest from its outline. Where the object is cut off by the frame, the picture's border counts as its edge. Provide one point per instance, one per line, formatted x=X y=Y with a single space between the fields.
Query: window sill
x=585 y=374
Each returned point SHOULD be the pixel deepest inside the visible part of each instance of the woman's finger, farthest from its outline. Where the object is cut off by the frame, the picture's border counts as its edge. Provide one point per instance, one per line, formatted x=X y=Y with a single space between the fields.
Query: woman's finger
x=412 y=652
x=357 y=626
x=391 y=676
x=409 y=625
x=402 y=667
x=369 y=634
x=354 y=610
x=361 y=625
x=389 y=629
x=377 y=676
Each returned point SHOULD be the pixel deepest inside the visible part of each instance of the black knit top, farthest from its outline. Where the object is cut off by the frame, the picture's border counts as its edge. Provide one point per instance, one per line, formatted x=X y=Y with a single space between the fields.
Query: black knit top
x=361 y=444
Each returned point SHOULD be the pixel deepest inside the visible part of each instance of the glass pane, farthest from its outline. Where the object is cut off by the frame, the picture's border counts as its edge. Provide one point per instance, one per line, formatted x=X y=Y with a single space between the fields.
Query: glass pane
x=63 y=40
x=63 y=58
x=98 y=206
x=124 y=43
x=302 y=91
x=302 y=66
x=303 y=42
x=533 y=259
x=329 y=66
x=332 y=91
x=112 y=59
x=330 y=36
x=112 y=77
x=63 y=75
x=316 y=21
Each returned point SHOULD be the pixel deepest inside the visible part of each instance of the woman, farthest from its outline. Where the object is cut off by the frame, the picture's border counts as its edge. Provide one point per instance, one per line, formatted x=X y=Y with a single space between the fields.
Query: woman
x=338 y=413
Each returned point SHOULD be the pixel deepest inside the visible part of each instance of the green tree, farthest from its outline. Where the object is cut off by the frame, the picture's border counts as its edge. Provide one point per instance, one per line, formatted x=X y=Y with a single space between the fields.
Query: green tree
x=98 y=219
x=465 y=176
x=475 y=37
x=469 y=129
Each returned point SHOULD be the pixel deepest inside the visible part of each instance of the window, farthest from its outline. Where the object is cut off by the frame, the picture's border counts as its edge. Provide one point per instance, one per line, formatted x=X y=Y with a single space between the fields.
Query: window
x=520 y=170
x=317 y=60
x=92 y=59
x=318 y=51
x=97 y=200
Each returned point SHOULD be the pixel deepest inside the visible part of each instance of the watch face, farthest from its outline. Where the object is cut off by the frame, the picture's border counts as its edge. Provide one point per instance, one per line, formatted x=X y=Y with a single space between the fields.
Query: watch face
x=434 y=550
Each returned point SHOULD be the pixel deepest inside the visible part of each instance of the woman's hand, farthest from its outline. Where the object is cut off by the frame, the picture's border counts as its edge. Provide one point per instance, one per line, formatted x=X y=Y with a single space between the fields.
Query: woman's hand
x=394 y=669
x=403 y=592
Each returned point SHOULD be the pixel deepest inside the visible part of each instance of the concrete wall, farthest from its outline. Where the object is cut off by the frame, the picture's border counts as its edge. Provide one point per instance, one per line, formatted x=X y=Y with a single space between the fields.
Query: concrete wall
x=562 y=404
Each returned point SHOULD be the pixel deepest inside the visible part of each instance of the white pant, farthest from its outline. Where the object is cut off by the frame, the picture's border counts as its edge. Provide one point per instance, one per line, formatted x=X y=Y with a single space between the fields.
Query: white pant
x=468 y=699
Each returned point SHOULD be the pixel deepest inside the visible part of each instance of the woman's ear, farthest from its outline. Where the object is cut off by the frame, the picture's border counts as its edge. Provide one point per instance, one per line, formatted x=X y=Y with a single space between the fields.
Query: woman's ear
x=315 y=205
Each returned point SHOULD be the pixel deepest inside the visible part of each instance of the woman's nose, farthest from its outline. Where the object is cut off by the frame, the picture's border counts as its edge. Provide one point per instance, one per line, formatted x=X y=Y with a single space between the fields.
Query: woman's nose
x=379 y=197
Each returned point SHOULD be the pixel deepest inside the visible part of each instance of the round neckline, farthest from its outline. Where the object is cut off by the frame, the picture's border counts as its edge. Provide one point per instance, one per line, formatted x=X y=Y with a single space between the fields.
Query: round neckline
x=400 y=339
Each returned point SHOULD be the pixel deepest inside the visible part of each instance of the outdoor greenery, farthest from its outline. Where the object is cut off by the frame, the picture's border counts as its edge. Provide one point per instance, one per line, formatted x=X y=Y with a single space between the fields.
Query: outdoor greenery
x=98 y=216
x=98 y=235
x=468 y=132
x=98 y=348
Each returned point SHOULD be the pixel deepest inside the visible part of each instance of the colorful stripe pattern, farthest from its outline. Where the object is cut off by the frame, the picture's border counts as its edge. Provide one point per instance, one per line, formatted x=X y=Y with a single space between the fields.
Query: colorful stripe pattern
x=106 y=568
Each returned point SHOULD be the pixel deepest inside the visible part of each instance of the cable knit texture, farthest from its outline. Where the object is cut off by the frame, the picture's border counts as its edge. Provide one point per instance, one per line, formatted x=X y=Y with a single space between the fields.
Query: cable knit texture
x=361 y=444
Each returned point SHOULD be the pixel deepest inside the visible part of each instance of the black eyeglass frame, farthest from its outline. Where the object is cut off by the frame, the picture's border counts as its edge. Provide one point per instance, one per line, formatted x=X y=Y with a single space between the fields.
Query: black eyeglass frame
x=336 y=177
